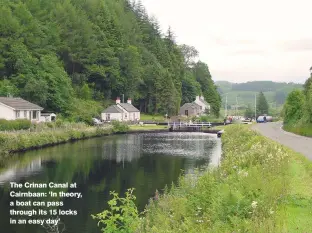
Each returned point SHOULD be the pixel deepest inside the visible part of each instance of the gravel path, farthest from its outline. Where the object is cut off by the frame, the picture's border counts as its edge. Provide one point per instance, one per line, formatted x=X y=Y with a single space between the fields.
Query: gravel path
x=274 y=131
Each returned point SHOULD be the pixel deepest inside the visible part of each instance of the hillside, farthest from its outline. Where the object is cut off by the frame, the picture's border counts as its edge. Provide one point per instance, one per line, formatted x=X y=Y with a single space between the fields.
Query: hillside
x=76 y=57
x=275 y=92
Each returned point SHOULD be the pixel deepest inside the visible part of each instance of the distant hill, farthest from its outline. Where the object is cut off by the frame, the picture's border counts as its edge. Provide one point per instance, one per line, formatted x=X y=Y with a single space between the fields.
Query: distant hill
x=275 y=92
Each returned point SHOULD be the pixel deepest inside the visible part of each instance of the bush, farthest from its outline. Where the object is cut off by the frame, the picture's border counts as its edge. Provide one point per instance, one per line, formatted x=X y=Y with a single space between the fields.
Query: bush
x=122 y=211
x=7 y=125
x=120 y=127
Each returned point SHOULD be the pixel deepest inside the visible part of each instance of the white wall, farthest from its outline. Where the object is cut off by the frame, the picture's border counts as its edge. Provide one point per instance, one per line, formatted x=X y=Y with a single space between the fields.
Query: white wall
x=6 y=113
x=113 y=116
x=201 y=104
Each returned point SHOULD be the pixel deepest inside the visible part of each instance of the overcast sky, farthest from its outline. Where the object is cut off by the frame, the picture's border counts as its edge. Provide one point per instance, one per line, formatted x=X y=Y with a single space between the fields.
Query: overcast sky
x=243 y=40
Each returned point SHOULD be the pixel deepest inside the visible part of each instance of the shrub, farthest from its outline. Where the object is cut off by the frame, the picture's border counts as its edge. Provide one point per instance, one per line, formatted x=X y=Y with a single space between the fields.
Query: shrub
x=122 y=217
x=7 y=125
x=120 y=127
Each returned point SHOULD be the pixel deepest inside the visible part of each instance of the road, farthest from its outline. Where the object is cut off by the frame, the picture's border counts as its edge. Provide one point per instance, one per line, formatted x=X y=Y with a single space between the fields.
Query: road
x=274 y=131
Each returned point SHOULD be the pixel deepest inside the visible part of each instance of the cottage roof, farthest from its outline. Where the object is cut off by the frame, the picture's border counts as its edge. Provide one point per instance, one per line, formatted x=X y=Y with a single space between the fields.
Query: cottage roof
x=48 y=114
x=19 y=104
x=204 y=101
x=191 y=105
x=112 y=109
x=129 y=107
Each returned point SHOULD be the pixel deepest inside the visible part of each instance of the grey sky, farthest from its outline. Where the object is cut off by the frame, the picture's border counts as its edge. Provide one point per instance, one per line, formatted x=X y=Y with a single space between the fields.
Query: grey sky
x=243 y=40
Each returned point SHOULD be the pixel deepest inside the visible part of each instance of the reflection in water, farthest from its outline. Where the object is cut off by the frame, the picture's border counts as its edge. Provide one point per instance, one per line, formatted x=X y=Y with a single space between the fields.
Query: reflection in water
x=15 y=173
x=144 y=161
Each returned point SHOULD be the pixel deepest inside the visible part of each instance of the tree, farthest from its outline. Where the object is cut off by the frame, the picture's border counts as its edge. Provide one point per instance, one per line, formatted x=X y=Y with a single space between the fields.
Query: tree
x=249 y=112
x=294 y=106
x=189 y=53
x=60 y=53
x=262 y=104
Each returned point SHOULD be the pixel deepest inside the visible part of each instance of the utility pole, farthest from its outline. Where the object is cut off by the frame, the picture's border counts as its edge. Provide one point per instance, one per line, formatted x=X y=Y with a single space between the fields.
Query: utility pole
x=255 y=107
x=236 y=107
x=226 y=103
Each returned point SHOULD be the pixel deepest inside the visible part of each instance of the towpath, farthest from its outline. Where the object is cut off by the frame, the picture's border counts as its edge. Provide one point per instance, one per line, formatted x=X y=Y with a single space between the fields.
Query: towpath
x=275 y=132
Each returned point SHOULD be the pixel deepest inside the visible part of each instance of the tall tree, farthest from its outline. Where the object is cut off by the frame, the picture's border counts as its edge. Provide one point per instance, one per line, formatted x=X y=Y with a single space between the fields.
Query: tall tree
x=262 y=104
x=249 y=112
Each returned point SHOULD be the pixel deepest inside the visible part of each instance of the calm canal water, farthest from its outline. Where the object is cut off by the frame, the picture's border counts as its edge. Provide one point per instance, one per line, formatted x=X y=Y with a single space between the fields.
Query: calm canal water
x=145 y=162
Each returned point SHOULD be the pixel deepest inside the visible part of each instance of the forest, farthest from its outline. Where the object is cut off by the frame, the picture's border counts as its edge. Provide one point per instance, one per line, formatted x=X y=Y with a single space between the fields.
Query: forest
x=74 y=57
x=298 y=110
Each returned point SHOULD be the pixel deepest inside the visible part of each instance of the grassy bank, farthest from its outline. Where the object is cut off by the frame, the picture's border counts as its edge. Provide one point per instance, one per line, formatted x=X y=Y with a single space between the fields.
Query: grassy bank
x=260 y=186
x=300 y=129
x=23 y=140
x=148 y=127
x=49 y=134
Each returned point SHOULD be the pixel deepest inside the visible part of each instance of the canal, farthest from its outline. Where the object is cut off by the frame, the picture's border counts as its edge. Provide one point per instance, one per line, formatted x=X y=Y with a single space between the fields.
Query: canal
x=145 y=162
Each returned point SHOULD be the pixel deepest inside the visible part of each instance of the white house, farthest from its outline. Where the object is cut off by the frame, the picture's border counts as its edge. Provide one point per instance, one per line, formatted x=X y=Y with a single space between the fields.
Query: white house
x=47 y=117
x=121 y=112
x=200 y=100
x=18 y=108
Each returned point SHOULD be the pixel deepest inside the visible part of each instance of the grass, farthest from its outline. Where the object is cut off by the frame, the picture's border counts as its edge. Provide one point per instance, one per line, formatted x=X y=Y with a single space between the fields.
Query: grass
x=304 y=130
x=49 y=134
x=24 y=140
x=260 y=186
x=147 y=127
x=299 y=202
x=147 y=117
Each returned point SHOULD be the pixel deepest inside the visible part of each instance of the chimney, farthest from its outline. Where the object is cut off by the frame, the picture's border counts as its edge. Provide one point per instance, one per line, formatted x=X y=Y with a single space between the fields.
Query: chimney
x=129 y=101
x=202 y=97
x=118 y=100
x=197 y=97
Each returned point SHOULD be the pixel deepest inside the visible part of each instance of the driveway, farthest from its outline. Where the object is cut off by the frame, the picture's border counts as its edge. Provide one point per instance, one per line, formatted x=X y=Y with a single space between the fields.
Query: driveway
x=274 y=131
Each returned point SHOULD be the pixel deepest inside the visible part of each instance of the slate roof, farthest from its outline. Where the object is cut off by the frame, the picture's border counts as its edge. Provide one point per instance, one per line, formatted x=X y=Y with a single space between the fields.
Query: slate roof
x=129 y=107
x=204 y=102
x=112 y=109
x=192 y=105
x=19 y=104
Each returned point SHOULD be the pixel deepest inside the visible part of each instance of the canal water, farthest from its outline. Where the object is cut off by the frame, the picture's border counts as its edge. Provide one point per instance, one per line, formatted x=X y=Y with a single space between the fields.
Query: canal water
x=145 y=162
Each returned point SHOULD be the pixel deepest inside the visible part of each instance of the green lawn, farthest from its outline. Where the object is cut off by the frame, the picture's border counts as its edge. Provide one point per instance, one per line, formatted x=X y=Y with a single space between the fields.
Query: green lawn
x=147 y=117
x=147 y=127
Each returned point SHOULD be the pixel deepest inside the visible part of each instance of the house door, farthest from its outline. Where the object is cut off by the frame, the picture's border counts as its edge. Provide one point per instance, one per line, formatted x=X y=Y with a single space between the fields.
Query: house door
x=108 y=117
x=186 y=112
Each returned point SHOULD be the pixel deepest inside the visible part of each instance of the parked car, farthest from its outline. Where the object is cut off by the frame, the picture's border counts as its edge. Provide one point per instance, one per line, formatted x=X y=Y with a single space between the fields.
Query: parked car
x=96 y=121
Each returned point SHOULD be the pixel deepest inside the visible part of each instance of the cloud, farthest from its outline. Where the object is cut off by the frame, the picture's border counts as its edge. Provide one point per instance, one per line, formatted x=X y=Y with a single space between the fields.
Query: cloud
x=297 y=45
x=243 y=39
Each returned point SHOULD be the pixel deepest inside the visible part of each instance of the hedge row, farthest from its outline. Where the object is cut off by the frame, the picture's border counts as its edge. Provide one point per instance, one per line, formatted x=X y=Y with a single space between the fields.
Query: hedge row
x=9 y=125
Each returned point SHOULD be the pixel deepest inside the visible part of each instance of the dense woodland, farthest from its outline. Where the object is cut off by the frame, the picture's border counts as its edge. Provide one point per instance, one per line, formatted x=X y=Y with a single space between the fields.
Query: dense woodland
x=75 y=56
x=298 y=109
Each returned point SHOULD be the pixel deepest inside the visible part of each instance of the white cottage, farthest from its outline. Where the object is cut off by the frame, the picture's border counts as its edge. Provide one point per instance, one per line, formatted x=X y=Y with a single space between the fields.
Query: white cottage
x=204 y=106
x=121 y=112
x=18 y=108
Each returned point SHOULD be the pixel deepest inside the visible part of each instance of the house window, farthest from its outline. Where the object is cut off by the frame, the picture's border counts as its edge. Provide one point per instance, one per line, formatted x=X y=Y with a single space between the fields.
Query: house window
x=34 y=115
x=25 y=114
x=201 y=107
x=18 y=114
x=107 y=117
x=186 y=112
x=126 y=115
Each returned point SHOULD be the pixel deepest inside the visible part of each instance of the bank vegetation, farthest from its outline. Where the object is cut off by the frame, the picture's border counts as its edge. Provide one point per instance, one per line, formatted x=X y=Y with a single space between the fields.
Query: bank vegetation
x=298 y=110
x=260 y=186
x=48 y=134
